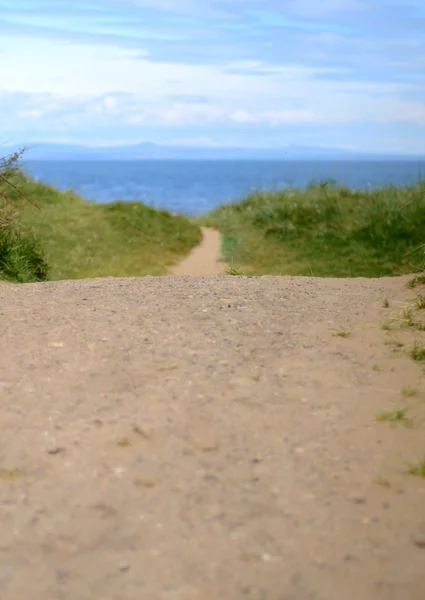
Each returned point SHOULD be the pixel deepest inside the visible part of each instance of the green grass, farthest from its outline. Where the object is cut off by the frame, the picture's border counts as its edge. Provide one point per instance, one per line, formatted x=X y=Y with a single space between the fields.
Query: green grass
x=387 y=324
x=343 y=333
x=21 y=257
x=397 y=417
x=230 y=270
x=418 y=353
x=418 y=280
x=325 y=230
x=81 y=239
x=417 y=469
x=409 y=392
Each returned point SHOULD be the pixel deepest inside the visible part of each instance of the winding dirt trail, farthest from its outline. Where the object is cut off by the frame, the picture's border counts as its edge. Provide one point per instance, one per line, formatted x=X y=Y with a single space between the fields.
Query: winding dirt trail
x=208 y=438
x=204 y=260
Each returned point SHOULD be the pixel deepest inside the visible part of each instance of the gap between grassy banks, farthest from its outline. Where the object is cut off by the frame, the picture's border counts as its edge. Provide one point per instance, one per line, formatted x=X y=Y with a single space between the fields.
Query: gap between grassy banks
x=324 y=230
x=80 y=239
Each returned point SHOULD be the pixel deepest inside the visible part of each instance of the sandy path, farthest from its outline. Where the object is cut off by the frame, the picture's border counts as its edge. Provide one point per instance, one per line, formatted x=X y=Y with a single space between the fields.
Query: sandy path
x=204 y=259
x=199 y=438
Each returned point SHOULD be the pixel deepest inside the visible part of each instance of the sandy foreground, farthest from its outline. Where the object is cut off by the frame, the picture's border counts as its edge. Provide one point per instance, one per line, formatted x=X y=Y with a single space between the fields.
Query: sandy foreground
x=206 y=438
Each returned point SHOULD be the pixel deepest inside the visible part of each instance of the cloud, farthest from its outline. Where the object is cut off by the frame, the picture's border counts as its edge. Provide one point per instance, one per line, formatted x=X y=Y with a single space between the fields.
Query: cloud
x=222 y=69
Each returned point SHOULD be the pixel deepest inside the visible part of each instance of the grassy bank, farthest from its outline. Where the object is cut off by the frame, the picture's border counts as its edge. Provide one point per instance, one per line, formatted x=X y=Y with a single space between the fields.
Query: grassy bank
x=324 y=230
x=80 y=239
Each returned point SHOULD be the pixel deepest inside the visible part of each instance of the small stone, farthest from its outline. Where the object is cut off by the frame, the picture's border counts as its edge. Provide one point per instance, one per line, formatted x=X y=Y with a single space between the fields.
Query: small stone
x=55 y=451
x=124 y=566
x=143 y=432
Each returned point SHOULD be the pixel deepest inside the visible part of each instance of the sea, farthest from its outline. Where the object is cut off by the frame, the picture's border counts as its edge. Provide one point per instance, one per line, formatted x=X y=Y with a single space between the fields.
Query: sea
x=194 y=187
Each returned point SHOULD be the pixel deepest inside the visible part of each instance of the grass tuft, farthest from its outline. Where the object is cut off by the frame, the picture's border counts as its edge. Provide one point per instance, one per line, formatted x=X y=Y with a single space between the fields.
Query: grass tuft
x=420 y=302
x=417 y=469
x=397 y=417
x=343 y=333
x=230 y=270
x=418 y=280
x=418 y=353
x=409 y=392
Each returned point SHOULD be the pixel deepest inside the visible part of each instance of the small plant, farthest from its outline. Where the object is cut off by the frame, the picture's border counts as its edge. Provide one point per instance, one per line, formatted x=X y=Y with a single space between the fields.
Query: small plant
x=418 y=353
x=376 y=368
x=394 y=343
x=418 y=280
x=379 y=480
x=385 y=303
x=417 y=469
x=397 y=417
x=343 y=333
x=408 y=317
x=420 y=302
x=230 y=270
x=387 y=324
x=409 y=392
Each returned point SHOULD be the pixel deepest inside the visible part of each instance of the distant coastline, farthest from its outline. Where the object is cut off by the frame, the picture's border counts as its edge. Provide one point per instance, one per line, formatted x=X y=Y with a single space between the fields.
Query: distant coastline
x=151 y=151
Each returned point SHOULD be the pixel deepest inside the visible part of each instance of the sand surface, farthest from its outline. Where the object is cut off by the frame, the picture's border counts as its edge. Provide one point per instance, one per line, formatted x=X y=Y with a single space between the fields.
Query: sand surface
x=206 y=438
x=204 y=259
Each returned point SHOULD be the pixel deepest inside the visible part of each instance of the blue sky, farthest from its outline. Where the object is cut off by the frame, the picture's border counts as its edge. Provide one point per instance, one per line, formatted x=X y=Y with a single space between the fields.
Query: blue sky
x=252 y=73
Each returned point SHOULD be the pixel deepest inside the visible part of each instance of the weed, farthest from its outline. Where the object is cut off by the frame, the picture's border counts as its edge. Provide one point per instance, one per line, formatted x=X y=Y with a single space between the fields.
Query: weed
x=230 y=270
x=343 y=333
x=418 y=353
x=382 y=481
x=11 y=474
x=417 y=469
x=408 y=316
x=397 y=417
x=394 y=343
x=376 y=368
x=420 y=302
x=418 y=280
x=385 y=303
x=387 y=324
x=409 y=392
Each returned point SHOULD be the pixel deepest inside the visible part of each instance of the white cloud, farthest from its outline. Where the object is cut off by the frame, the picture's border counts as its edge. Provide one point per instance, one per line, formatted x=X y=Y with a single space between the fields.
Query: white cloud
x=50 y=85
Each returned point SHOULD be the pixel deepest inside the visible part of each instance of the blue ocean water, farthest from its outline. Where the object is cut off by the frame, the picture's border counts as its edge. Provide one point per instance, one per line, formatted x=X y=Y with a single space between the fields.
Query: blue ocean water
x=193 y=187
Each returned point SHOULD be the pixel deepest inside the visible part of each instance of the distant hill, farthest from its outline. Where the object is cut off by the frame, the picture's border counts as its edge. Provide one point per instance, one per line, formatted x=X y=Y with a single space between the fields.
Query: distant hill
x=151 y=151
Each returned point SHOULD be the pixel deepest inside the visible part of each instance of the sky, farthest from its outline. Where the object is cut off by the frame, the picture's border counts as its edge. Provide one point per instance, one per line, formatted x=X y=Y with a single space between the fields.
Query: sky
x=234 y=73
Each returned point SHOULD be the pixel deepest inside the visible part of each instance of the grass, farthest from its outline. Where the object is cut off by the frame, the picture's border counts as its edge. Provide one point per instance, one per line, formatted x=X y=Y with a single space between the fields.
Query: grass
x=382 y=481
x=230 y=270
x=417 y=469
x=325 y=230
x=387 y=324
x=409 y=392
x=385 y=303
x=420 y=302
x=81 y=239
x=21 y=256
x=343 y=333
x=397 y=417
x=418 y=280
x=394 y=343
x=418 y=353
x=409 y=319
